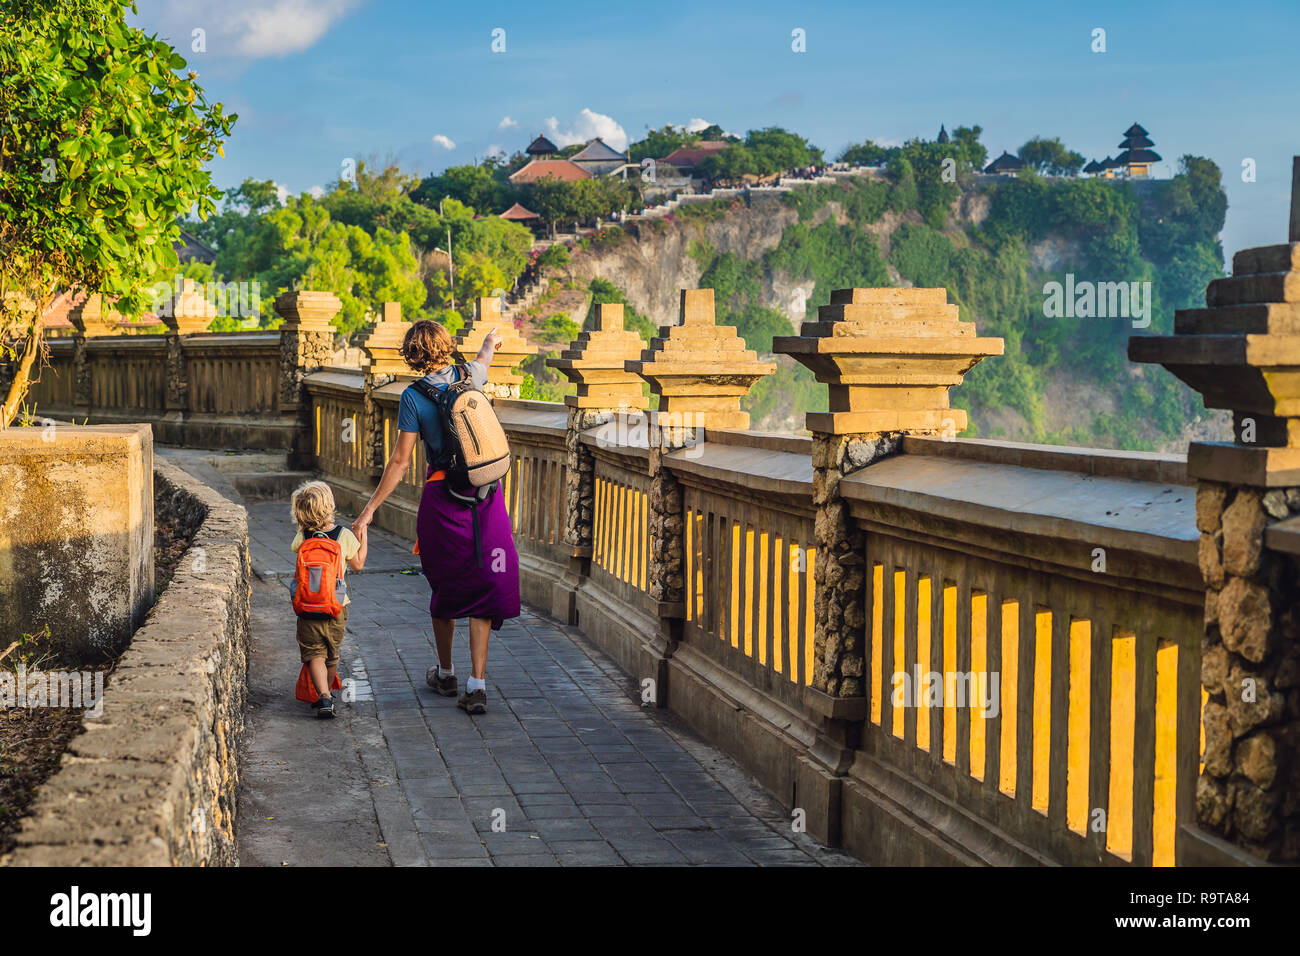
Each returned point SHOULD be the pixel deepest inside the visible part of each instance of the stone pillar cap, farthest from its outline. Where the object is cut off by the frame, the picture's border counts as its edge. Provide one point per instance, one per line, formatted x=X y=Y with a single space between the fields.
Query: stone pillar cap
x=889 y=357
x=308 y=311
x=596 y=361
x=90 y=319
x=514 y=347
x=1242 y=353
x=701 y=368
x=382 y=343
x=191 y=311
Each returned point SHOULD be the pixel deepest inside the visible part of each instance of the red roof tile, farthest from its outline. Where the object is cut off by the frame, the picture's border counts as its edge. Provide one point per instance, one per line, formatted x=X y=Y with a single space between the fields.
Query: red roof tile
x=561 y=169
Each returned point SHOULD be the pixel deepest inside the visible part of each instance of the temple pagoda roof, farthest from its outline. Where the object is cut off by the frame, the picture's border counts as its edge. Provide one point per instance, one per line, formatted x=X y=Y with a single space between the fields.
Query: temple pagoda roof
x=1004 y=163
x=1137 y=156
x=541 y=147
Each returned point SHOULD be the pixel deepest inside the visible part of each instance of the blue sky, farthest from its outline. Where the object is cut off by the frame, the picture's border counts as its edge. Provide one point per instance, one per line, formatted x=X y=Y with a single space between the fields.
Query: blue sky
x=317 y=82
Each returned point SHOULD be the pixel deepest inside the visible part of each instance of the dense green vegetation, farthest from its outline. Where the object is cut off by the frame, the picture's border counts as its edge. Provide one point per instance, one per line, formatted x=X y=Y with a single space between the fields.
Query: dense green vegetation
x=366 y=241
x=105 y=139
x=1162 y=232
x=762 y=153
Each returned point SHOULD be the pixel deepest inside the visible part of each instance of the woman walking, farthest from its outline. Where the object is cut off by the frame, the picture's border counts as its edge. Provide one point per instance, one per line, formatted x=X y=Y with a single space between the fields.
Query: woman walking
x=469 y=559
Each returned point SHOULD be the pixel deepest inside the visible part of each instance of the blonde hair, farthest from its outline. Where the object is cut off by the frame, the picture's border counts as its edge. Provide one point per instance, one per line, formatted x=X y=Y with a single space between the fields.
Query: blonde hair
x=312 y=506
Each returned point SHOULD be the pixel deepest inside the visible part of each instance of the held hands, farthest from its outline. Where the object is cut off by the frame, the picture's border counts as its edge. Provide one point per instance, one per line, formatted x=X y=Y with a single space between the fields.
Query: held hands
x=362 y=523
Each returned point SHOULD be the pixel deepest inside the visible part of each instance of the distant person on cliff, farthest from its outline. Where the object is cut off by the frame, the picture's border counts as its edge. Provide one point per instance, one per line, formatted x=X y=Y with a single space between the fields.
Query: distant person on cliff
x=467 y=550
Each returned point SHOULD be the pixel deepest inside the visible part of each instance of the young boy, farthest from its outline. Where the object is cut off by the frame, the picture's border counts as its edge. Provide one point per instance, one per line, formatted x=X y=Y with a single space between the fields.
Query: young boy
x=319 y=639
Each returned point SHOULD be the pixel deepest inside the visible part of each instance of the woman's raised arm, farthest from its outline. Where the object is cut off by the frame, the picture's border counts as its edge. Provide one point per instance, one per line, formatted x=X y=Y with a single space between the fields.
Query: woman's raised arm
x=398 y=462
x=491 y=342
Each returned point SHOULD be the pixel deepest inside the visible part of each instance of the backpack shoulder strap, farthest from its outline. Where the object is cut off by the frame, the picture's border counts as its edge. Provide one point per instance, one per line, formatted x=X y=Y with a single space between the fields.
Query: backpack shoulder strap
x=425 y=389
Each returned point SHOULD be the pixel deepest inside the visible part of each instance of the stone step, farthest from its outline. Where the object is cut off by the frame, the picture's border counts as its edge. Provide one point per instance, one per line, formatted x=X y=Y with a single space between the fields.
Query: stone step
x=1254 y=288
x=889 y=297
x=267 y=486
x=1279 y=258
x=1264 y=318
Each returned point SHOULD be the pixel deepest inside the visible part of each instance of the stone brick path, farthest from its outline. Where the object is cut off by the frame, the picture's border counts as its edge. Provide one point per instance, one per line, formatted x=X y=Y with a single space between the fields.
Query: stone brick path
x=566 y=768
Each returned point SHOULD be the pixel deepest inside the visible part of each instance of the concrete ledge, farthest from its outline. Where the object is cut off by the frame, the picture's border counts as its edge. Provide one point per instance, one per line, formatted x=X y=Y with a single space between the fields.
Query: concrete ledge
x=1198 y=848
x=628 y=635
x=890 y=819
x=153 y=781
x=766 y=738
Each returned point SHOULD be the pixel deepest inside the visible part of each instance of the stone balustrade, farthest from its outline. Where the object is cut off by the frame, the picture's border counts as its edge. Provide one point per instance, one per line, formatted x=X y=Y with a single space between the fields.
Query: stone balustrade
x=938 y=650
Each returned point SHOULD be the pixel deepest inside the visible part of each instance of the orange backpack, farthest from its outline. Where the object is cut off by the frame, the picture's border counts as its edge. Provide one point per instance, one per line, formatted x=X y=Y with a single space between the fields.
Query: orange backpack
x=318 y=583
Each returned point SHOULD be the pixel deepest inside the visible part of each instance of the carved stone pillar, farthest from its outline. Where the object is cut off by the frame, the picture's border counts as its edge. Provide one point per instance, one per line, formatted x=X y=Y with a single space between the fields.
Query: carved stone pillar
x=306 y=346
x=701 y=370
x=91 y=321
x=889 y=357
x=383 y=364
x=1240 y=354
x=596 y=362
x=503 y=378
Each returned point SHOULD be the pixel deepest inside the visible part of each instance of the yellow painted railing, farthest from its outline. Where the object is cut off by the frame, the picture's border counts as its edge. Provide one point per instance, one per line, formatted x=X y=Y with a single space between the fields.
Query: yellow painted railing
x=621 y=522
x=750 y=576
x=1059 y=707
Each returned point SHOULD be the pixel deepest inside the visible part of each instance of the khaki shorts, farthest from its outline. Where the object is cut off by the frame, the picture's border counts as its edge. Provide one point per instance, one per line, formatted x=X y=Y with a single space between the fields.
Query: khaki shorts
x=322 y=637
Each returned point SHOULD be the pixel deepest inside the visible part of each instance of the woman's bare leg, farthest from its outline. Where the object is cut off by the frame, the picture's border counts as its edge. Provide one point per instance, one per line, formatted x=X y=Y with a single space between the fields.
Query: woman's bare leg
x=443 y=629
x=480 y=628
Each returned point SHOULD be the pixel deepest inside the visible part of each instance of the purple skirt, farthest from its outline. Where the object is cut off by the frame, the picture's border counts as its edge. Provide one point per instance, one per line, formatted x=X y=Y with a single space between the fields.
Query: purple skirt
x=468 y=582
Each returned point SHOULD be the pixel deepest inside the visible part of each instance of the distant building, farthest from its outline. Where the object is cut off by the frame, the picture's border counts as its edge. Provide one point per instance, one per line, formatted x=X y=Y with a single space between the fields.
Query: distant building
x=541 y=146
x=599 y=159
x=943 y=135
x=523 y=216
x=687 y=159
x=1005 y=165
x=560 y=169
x=518 y=213
x=1137 y=157
x=190 y=249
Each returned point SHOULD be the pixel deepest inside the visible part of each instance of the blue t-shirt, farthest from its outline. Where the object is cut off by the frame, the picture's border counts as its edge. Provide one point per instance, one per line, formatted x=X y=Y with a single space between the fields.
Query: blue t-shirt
x=415 y=413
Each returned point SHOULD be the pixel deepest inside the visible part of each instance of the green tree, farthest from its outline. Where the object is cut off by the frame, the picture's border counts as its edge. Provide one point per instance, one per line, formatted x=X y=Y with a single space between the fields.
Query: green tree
x=1050 y=157
x=865 y=153
x=102 y=151
x=763 y=152
x=658 y=143
x=968 y=139
x=473 y=185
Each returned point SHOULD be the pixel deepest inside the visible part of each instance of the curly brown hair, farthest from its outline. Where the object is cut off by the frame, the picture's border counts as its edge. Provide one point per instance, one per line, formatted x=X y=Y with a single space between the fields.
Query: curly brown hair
x=427 y=346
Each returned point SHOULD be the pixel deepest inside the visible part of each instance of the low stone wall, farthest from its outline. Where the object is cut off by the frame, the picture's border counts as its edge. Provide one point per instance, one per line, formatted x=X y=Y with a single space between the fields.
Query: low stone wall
x=76 y=537
x=153 y=781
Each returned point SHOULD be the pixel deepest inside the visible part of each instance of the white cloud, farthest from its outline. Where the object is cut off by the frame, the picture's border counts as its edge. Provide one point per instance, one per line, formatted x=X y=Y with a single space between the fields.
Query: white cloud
x=496 y=149
x=281 y=193
x=697 y=124
x=588 y=125
x=316 y=191
x=246 y=28
x=444 y=141
x=284 y=26
x=506 y=123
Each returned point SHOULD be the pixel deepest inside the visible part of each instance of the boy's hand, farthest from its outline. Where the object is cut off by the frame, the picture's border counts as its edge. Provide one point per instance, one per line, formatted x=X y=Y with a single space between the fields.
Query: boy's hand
x=359 y=526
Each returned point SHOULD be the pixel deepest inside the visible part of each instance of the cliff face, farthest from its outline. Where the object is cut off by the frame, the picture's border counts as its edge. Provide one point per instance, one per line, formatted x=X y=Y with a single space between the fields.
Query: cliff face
x=654 y=264
x=1062 y=380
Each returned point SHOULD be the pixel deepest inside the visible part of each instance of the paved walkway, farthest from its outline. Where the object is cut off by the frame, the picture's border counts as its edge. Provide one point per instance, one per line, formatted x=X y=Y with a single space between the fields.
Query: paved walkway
x=566 y=768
